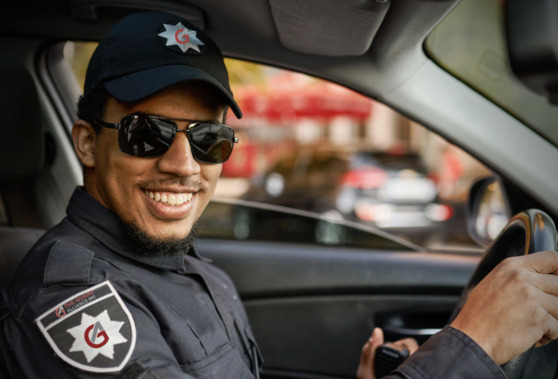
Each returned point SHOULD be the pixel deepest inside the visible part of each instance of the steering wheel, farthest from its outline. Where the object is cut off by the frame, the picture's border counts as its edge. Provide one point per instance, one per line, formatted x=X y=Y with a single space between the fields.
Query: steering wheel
x=527 y=232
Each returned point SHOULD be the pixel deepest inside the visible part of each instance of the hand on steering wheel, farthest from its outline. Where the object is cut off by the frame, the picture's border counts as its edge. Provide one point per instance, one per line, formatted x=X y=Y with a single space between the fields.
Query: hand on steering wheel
x=511 y=304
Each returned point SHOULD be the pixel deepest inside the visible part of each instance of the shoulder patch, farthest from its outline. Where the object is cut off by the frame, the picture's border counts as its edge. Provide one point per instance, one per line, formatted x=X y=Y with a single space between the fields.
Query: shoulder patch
x=91 y=330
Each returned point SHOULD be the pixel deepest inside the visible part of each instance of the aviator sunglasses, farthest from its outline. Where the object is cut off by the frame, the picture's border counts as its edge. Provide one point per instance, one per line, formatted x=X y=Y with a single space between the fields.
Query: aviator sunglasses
x=148 y=136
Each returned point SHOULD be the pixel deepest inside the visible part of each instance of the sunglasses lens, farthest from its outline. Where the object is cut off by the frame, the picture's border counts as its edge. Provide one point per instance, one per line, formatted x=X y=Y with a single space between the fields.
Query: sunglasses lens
x=145 y=136
x=149 y=136
x=211 y=143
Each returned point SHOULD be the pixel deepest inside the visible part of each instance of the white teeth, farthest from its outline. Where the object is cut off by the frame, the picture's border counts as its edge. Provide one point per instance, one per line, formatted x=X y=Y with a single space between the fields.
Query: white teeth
x=171 y=199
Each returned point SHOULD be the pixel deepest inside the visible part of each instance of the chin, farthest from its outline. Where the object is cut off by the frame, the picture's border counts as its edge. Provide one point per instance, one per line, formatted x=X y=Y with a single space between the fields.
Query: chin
x=167 y=243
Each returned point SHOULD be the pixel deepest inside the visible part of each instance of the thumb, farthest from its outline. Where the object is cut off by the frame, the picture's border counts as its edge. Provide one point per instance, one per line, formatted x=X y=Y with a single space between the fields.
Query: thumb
x=377 y=341
x=377 y=338
x=366 y=365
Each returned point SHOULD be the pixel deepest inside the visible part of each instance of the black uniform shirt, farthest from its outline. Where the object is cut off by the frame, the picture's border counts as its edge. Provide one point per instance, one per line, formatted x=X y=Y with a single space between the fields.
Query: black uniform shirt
x=449 y=354
x=84 y=301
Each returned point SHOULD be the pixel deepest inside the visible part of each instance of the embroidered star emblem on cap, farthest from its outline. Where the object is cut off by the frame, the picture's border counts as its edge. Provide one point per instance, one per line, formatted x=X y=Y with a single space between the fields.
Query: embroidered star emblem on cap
x=179 y=35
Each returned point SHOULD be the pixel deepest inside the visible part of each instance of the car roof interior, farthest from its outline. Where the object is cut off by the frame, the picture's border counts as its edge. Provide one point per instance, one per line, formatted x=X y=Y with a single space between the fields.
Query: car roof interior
x=274 y=31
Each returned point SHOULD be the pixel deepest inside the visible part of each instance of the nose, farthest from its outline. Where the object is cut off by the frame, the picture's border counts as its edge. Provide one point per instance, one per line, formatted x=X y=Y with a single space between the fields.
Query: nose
x=178 y=159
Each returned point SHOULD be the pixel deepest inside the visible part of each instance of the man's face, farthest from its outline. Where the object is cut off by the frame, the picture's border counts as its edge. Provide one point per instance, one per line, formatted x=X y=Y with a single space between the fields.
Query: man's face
x=136 y=188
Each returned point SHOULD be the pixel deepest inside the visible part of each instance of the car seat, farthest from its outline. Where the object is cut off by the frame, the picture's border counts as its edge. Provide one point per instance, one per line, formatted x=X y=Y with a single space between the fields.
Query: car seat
x=21 y=159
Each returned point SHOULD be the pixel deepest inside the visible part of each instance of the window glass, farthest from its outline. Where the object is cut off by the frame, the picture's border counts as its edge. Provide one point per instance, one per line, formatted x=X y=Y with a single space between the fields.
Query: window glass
x=319 y=163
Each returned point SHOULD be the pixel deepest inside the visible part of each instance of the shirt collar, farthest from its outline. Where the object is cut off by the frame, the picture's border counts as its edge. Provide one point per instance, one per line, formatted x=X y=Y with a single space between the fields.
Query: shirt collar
x=109 y=230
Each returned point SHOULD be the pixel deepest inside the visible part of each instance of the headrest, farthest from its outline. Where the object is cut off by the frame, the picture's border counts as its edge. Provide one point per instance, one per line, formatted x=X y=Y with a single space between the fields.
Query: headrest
x=21 y=132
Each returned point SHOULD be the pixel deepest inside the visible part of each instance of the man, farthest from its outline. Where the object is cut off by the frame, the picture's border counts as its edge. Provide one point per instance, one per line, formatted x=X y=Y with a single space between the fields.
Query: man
x=116 y=289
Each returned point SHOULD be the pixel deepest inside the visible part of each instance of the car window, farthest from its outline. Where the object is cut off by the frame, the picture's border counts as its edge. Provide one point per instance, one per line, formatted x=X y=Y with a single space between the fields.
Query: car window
x=319 y=163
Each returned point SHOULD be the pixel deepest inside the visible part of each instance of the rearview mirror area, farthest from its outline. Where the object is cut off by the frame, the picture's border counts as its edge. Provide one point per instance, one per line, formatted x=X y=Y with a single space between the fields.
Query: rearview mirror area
x=532 y=40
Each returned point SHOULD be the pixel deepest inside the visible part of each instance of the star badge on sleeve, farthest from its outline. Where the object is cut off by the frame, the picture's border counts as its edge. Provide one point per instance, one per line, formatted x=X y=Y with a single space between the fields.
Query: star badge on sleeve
x=91 y=330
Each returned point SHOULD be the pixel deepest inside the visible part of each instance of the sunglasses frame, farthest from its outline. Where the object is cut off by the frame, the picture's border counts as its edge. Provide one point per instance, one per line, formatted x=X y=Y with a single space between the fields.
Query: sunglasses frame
x=171 y=121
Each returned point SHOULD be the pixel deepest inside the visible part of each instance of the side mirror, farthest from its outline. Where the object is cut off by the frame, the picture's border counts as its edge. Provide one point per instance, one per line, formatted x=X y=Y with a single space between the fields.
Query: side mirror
x=487 y=211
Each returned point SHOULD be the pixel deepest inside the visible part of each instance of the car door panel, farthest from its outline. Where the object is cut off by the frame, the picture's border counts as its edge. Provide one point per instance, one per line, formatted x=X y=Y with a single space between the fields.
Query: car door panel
x=312 y=308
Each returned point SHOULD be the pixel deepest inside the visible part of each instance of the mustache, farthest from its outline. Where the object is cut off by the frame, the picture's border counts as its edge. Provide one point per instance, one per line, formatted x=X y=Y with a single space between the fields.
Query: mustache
x=181 y=182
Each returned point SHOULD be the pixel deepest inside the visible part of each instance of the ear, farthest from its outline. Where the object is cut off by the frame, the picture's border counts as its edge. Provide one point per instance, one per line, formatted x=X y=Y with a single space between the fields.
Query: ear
x=84 y=138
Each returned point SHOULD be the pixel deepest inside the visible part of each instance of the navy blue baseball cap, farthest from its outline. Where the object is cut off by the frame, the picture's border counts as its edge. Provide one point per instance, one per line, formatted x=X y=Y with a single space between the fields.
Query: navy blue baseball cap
x=146 y=52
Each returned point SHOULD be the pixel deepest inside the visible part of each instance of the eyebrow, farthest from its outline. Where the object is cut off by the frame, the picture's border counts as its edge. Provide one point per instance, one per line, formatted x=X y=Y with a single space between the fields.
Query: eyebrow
x=215 y=120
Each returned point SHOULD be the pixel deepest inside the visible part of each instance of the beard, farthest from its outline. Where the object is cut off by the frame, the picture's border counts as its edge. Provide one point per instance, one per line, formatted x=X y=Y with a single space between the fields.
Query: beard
x=148 y=245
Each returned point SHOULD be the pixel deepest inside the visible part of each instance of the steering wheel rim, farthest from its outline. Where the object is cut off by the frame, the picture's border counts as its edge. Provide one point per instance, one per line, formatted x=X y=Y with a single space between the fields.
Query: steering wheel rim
x=527 y=232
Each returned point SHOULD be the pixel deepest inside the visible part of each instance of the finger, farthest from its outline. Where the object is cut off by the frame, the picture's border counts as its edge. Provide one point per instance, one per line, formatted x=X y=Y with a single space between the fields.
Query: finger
x=377 y=338
x=367 y=353
x=545 y=282
x=369 y=348
x=539 y=291
x=407 y=343
x=366 y=366
x=544 y=262
x=550 y=322
x=377 y=341
x=551 y=333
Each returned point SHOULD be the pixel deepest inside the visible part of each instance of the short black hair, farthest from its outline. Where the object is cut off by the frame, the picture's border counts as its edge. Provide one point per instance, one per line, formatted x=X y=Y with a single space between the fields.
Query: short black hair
x=92 y=105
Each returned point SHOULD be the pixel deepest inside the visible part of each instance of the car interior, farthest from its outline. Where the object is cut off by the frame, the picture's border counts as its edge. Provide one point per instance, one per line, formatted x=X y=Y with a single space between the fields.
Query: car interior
x=313 y=301
x=20 y=164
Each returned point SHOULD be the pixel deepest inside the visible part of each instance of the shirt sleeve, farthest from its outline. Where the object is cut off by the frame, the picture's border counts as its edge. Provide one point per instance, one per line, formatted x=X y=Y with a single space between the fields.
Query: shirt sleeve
x=449 y=354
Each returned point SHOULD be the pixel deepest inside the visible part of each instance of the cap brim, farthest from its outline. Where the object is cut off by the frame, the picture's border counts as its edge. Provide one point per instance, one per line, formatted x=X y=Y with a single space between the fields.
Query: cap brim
x=140 y=85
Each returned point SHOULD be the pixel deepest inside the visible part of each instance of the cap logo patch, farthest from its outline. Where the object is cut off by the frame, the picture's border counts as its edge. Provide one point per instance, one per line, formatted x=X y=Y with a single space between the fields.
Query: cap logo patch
x=179 y=35
x=91 y=330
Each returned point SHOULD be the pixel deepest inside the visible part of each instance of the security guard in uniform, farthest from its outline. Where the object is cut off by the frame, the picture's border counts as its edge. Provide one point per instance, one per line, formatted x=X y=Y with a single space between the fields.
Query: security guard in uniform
x=117 y=288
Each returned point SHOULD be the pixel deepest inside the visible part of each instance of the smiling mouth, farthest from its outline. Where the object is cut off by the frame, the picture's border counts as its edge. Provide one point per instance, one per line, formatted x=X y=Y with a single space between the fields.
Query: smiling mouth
x=172 y=199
